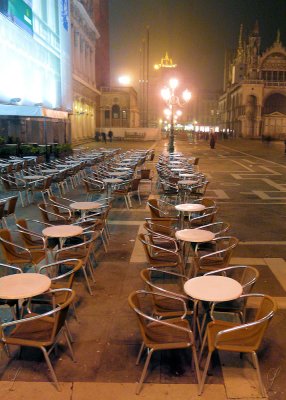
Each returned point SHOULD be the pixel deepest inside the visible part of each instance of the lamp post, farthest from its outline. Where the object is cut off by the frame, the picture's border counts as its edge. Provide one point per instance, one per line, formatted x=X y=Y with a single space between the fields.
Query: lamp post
x=172 y=100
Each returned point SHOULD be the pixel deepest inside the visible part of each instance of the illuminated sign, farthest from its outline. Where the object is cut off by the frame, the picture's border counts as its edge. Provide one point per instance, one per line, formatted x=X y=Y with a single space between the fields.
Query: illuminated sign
x=19 y=12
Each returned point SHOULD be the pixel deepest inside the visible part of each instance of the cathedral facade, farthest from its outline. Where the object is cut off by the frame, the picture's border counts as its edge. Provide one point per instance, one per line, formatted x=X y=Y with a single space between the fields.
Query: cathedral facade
x=253 y=103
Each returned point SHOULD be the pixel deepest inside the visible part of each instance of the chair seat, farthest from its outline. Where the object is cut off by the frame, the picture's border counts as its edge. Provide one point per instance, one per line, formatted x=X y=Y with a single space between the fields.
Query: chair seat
x=161 y=337
x=232 y=344
x=73 y=253
x=167 y=307
x=38 y=331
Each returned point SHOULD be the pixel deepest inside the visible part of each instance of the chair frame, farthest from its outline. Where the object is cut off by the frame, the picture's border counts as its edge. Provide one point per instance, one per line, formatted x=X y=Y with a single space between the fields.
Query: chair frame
x=246 y=327
x=150 y=350
x=55 y=335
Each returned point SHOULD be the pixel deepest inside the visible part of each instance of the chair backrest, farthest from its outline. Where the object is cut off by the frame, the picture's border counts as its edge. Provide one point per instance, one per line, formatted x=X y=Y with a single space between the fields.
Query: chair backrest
x=244 y=274
x=154 y=208
x=145 y=173
x=134 y=184
x=158 y=228
x=207 y=202
x=12 y=202
x=25 y=232
x=206 y=217
x=146 y=245
x=248 y=336
x=63 y=277
x=51 y=212
x=224 y=249
x=2 y=208
x=8 y=248
x=219 y=228
x=9 y=269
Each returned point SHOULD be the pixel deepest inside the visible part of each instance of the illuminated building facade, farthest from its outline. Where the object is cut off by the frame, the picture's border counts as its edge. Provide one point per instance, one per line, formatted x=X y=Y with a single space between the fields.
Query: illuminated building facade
x=254 y=100
x=205 y=111
x=119 y=108
x=84 y=36
x=35 y=95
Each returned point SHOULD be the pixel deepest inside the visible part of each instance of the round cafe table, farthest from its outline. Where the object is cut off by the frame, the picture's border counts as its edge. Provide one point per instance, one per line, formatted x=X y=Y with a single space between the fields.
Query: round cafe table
x=62 y=232
x=84 y=206
x=211 y=288
x=193 y=236
x=117 y=173
x=110 y=182
x=188 y=207
x=187 y=182
x=184 y=175
x=50 y=171
x=23 y=286
x=33 y=177
x=123 y=169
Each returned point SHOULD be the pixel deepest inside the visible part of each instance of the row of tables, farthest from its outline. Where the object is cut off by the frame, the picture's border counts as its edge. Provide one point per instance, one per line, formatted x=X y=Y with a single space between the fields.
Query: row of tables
x=211 y=288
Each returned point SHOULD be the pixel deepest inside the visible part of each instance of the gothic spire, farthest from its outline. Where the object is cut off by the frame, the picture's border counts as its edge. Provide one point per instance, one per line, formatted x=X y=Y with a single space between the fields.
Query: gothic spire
x=256 y=28
x=239 y=52
x=278 y=36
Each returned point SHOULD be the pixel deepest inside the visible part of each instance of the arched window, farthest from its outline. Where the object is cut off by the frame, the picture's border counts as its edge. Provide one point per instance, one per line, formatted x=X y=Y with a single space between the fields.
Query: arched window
x=275 y=103
x=115 y=111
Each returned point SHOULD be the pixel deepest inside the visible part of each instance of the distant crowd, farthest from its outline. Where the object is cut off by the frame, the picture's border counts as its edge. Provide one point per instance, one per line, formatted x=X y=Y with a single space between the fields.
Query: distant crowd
x=102 y=136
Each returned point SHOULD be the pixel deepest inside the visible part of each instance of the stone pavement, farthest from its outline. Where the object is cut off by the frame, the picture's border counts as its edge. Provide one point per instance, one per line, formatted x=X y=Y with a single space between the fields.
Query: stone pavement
x=248 y=182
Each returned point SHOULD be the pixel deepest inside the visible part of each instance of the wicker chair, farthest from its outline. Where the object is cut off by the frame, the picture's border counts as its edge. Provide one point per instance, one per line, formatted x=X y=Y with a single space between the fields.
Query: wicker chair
x=40 y=331
x=167 y=334
x=240 y=338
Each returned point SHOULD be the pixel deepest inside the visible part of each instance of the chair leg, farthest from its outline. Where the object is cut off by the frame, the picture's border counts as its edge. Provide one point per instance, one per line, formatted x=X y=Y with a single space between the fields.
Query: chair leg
x=103 y=242
x=126 y=202
x=48 y=361
x=129 y=200
x=256 y=365
x=203 y=345
x=139 y=385
x=90 y=270
x=195 y=360
x=68 y=332
x=205 y=373
x=140 y=353
x=69 y=343
x=87 y=281
x=139 y=197
x=75 y=312
x=21 y=198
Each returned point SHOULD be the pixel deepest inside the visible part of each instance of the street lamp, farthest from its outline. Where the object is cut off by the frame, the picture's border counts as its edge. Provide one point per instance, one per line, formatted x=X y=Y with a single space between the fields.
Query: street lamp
x=173 y=101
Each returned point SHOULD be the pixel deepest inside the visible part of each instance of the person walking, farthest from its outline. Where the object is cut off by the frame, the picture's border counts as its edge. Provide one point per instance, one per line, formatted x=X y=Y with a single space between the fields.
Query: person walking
x=110 y=135
x=97 y=134
x=103 y=137
x=212 y=139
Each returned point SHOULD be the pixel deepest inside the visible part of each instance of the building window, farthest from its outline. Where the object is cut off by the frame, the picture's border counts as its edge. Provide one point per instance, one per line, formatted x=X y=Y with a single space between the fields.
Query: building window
x=115 y=111
x=106 y=114
x=124 y=114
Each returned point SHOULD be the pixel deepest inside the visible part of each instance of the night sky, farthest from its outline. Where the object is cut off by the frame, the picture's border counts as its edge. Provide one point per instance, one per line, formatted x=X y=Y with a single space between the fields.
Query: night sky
x=195 y=33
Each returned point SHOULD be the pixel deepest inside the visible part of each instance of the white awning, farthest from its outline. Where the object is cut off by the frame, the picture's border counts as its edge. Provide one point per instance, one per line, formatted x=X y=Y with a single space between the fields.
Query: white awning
x=31 y=111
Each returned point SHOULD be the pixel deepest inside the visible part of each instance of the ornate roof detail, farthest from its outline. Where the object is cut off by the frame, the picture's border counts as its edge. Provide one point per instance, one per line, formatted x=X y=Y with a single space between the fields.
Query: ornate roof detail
x=166 y=62
x=275 y=56
x=81 y=17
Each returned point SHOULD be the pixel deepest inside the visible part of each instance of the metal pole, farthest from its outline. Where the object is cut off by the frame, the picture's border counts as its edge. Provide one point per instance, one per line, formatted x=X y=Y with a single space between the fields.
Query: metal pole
x=147 y=77
x=171 y=137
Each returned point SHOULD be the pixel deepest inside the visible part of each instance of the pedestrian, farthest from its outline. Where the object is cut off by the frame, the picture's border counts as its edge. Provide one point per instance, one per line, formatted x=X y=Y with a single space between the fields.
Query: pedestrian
x=110 y=135
x=103 y=137
x=97 y=134
x=212 y=140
